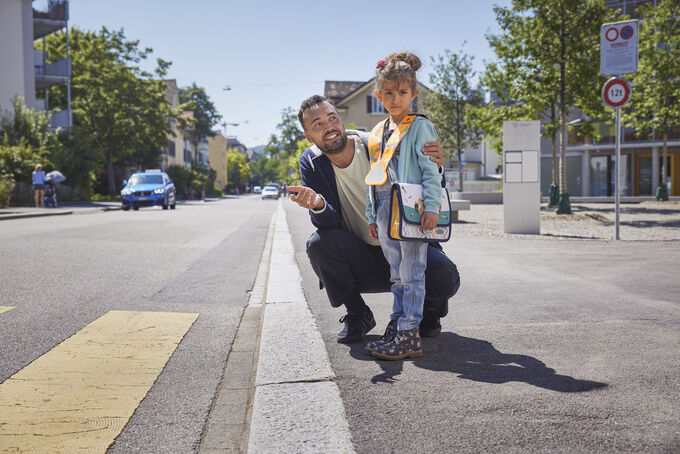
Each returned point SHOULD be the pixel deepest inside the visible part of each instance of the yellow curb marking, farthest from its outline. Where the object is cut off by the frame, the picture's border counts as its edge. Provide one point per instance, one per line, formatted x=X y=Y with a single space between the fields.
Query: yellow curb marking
x=5 y=308
x=79 y=395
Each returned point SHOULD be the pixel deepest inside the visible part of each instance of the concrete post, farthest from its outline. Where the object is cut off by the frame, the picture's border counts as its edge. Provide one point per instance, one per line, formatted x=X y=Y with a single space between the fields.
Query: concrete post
x=585 y=173
x=655 y=169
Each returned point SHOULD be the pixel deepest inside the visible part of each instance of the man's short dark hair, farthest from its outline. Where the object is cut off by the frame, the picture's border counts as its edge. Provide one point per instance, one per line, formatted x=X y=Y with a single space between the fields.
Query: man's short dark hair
x=310 y=102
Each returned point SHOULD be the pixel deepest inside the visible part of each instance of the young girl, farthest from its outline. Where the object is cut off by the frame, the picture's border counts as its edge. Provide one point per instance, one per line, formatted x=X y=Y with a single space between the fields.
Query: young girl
x=400 y=160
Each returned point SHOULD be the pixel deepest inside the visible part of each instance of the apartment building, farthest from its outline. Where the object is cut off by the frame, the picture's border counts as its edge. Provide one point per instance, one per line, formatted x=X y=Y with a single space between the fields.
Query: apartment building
x=24 y=71
x=217 y=146
x=173 y=153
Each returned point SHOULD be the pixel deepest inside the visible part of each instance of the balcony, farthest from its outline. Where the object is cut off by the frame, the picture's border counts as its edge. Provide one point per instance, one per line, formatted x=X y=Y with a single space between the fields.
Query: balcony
x=61 y=119
x=56 y=73
x=55 y=18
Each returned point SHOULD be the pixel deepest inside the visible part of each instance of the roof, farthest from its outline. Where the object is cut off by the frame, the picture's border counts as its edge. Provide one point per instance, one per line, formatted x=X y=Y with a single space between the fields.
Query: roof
x=335 y=90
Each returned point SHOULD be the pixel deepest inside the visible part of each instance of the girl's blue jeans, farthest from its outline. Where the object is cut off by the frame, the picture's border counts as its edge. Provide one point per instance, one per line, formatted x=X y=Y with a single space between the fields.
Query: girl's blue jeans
x=408 y=260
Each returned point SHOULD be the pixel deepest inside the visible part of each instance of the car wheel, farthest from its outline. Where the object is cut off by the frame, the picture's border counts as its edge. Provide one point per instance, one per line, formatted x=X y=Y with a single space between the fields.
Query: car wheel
x=136 y=208
x=172 y=207
x=126 y=208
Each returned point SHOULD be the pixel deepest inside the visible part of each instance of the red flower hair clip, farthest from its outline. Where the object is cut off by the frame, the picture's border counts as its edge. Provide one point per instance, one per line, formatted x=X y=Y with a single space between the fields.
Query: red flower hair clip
x=381 y=64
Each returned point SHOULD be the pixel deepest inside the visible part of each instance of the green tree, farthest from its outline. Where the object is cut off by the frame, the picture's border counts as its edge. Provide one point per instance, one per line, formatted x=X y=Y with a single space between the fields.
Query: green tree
x=449 y=103
x=294 y=177
x=289 y=131
x=548 y=56
x=205 y=115
x=655 y=98
x=264 y=170
x=238 y=170
x=121 y=107
x=26 y=139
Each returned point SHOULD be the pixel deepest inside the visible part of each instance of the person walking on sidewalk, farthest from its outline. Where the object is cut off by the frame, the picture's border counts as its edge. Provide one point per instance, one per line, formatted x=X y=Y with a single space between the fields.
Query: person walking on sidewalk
x=346 y=259
x=397 y=141
x=39 y=186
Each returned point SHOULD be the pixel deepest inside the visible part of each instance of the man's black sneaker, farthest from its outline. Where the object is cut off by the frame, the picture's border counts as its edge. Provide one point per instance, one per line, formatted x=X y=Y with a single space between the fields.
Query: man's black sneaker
x=356 y=326
x=430 y=327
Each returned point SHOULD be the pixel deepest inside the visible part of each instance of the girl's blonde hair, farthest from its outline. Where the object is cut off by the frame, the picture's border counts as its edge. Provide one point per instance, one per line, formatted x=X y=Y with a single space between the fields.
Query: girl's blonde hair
x=400 y=66
x=38 y=167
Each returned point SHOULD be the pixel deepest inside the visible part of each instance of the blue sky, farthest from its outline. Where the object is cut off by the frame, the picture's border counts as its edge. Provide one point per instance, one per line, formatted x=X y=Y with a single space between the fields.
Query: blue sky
x=274 y=54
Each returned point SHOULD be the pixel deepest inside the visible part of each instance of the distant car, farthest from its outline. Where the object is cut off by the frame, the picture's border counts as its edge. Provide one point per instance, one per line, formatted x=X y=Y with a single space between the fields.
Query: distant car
x=257 y=190
x=149 y=188
x=270 y=192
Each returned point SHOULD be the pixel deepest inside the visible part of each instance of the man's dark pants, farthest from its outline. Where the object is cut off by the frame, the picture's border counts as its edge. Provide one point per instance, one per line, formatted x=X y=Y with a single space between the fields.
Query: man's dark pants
x=347 y=267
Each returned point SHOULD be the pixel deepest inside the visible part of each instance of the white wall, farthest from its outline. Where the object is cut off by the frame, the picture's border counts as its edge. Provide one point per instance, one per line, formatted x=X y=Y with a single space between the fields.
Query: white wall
x=16 y=52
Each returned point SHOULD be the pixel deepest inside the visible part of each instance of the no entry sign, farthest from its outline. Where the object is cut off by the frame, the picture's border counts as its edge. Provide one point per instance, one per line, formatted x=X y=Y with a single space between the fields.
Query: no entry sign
x=615 y=92
x=619 y=48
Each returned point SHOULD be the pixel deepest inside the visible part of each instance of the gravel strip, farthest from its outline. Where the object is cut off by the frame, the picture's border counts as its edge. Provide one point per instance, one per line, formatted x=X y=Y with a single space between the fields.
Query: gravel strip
x=645 y=221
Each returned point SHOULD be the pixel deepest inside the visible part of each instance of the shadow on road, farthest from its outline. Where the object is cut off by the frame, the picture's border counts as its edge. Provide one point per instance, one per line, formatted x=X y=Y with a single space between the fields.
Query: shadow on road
x=478 y=360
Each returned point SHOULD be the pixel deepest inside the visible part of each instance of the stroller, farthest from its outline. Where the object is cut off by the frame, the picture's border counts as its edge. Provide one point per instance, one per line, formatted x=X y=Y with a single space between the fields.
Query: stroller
x=52 y=179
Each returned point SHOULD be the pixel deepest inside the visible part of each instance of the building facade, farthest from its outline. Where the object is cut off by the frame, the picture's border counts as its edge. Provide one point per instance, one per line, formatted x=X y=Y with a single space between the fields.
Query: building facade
x=173 y=153
x=24 y=69
x=217 y=146
x=591 y=163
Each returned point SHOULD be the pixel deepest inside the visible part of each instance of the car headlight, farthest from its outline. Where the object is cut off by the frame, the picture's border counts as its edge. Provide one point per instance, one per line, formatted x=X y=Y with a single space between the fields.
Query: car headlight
x=159 y=191
x=126 y=191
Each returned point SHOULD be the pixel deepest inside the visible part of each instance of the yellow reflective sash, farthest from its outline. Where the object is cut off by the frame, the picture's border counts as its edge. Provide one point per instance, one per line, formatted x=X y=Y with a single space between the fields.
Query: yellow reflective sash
x=380 y=159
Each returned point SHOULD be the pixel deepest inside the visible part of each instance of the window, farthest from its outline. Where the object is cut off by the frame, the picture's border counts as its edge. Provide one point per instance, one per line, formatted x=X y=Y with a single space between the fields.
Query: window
x=171 y=148
x=374 y=106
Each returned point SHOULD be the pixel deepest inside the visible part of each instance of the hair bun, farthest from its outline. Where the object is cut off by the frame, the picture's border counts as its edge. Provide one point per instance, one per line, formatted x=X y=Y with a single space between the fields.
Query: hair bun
x=407 y=57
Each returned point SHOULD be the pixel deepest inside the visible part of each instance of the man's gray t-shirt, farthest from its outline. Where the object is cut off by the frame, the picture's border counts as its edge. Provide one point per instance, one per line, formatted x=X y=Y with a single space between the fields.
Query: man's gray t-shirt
x=353 y=191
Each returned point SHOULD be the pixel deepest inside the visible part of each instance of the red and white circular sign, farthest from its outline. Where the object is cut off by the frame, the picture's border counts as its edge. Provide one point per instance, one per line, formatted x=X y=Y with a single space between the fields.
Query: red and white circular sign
x=616 y=92
x=612 y=34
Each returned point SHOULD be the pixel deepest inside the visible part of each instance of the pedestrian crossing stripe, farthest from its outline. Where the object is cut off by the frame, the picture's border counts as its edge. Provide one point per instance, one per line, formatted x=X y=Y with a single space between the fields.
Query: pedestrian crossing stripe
x=78 y=396
x=5 y=308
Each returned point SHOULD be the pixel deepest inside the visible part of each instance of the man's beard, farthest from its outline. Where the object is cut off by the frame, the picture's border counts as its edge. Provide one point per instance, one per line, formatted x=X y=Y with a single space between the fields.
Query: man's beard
x=335 y=147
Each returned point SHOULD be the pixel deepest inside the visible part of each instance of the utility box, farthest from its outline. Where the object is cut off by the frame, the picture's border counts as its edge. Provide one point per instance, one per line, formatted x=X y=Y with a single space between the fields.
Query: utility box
x=521 y=176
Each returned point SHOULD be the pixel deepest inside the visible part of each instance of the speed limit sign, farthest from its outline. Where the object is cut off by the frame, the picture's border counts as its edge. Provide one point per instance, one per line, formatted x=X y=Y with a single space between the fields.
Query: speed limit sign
x=616 y=92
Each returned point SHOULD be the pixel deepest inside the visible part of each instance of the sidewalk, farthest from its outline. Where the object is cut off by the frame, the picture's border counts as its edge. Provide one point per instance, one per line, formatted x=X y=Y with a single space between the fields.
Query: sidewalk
x=76 y=208
x=64 y=209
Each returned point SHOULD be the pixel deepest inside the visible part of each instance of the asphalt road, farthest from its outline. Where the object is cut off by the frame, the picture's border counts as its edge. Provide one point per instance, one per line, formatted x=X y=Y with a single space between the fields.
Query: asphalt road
x=61 y=273
x=549 y=346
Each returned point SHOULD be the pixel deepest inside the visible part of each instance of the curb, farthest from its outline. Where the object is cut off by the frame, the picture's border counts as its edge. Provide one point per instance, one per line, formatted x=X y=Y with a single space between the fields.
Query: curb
x=48 y=212
x=297 y=405
x=5 y=217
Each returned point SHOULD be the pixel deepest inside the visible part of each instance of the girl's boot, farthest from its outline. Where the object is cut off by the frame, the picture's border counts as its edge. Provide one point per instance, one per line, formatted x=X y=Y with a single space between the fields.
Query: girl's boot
x=406 y=344
x=390 y=332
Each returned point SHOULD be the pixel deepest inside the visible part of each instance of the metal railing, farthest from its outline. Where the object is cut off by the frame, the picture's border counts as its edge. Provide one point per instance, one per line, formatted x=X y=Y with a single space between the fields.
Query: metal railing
x=56 y=10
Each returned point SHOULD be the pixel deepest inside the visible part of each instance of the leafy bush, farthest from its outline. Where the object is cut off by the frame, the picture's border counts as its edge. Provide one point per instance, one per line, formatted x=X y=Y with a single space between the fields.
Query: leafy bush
x=104 y=198
x=187 y=181
x=6 y=186
x=18 y=161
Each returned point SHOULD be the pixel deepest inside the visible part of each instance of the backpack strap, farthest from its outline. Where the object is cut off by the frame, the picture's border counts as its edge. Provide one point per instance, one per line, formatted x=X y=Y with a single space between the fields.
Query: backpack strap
x=380 y=158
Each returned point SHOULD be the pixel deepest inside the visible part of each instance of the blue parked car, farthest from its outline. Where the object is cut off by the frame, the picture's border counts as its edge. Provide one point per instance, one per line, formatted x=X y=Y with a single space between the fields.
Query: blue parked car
x=149 y=188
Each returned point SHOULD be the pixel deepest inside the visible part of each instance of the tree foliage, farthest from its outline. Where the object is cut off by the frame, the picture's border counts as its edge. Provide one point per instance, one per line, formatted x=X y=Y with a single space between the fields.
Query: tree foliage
x=119 y=106
x=26 y=139
x=238 y=170
x=289 y=131
x=187 y=181
x=655 y=97
x=280 y=158
x=449 y=102
x=548 y=55
x=205 y=115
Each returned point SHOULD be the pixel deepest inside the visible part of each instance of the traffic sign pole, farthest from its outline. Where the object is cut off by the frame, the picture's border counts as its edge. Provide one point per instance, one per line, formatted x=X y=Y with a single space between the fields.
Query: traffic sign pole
x=618 y=55
x=615 y=94
x=617 y=164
